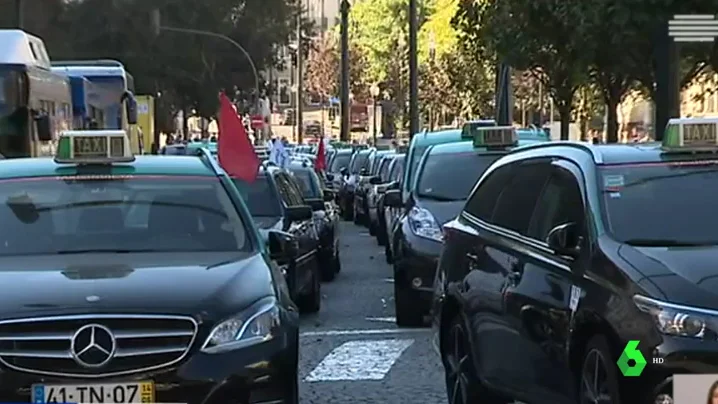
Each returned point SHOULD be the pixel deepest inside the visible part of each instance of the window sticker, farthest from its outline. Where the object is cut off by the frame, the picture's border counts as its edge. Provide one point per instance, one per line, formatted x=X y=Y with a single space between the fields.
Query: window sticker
x=613 y=181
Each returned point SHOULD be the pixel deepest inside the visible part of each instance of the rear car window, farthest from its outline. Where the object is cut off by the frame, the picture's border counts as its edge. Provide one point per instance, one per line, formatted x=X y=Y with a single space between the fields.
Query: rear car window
x=261 y=197
x=307 y=183
x=51 y=215
x=340 y=161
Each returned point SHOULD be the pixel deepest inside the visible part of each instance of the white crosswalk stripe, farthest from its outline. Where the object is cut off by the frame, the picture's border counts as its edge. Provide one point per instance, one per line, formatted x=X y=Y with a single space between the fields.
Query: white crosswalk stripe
x=360 y=360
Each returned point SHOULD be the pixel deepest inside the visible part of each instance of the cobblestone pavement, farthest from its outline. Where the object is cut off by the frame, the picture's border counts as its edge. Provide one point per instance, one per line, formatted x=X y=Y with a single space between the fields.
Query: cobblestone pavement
x=352 y=351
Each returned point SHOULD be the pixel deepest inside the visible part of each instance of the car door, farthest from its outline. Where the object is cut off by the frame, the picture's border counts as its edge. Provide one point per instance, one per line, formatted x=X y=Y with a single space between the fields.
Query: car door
x=394 y=213
x=492 y=261
x=300 y=230
x=540 y=303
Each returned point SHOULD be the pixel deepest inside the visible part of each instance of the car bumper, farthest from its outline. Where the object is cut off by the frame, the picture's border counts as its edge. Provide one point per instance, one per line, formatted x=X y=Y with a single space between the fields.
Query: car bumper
x=416 y=266
x=256 y=374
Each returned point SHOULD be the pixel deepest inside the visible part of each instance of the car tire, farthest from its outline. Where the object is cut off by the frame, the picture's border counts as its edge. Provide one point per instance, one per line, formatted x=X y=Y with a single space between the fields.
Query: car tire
x=291 y=387
x=388 y=256
x=598 y=354
x=372 y=228
x=327 y=266
x=312 y=301
x=337 y=261
x=405 y=306
x=462 y=382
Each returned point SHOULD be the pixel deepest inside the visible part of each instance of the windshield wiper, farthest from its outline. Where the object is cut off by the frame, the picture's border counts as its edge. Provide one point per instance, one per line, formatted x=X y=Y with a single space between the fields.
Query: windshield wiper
x=439 y=198
x=647 y=242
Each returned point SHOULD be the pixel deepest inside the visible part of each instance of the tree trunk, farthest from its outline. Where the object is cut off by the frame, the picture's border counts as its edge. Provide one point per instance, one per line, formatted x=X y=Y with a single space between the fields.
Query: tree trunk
x=564 y=112
x=612 y=120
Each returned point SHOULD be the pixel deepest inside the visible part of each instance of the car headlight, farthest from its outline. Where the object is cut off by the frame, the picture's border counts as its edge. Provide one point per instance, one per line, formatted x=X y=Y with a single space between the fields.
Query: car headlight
x=678 y=320
x=424 y=225
x=253 y=326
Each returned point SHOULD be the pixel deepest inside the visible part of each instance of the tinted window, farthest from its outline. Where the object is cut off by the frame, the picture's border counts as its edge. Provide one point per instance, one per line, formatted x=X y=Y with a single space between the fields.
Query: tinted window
x=340 y=160
x=415 y=160
x=290 y=195
x=561 y=202
x=384 y=169
x=374 y=169
x=672 y=202
x=133 y=214
x=397 y=169
x=518 y=199
x=260 y=196
x=307 y=182
x=450 y=177
x=483 y=200
x=360 y=161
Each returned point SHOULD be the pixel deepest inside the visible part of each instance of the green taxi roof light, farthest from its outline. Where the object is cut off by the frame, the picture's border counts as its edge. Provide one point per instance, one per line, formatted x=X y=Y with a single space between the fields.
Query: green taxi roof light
x=93 y=147
x=691 y=134
x=496 y=136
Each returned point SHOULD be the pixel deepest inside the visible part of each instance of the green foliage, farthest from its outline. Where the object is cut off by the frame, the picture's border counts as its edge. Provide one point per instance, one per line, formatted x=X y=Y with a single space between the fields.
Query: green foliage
x=188 y=69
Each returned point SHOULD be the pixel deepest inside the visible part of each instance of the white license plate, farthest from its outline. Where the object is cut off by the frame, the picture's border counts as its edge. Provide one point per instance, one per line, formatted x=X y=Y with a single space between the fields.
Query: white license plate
x=134 y=392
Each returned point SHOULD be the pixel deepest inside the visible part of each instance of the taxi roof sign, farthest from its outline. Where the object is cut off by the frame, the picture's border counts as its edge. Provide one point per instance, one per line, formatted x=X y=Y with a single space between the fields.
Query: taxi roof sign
x=469 y=128
x=496 y=136
x=93 y=147
x=691 y=134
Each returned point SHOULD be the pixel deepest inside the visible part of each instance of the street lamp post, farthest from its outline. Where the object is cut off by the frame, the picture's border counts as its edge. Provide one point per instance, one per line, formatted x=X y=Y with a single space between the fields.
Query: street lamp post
x=374 y=95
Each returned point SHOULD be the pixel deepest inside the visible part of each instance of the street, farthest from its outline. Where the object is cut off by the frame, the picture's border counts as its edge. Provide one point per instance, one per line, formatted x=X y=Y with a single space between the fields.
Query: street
x=352 y=351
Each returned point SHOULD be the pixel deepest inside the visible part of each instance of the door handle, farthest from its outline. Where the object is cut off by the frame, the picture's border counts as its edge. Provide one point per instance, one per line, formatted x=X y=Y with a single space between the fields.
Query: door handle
x=472 y=257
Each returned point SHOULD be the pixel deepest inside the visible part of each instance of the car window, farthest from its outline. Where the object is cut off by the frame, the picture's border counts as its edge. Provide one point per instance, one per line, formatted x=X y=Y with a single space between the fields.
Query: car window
x=384 y=169
x=517 y=200
x=451 y=176
x=142 y=214
x=289 y=197
x=397 y=169
x=414 y=163
x=295 y=189
x=359 y=162
x=308 y=183
x=341 y=160
x=661 y=201
x=260 y=196
x=560 y=203
x=482 y=200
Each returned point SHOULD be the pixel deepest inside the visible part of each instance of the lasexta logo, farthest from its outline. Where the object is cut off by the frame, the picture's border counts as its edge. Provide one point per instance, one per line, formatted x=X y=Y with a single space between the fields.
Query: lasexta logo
x=631 y=363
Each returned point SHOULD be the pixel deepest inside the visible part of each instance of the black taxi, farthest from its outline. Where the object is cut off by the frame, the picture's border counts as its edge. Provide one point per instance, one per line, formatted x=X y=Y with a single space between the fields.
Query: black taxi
x=276 y=203
x=326 y=217
x=388 y=216
x=444 y=178
x=581 y=273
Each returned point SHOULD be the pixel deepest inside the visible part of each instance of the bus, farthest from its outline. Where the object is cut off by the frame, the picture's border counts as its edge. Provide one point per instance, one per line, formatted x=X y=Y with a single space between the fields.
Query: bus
x=115 y=91
x=35 y=102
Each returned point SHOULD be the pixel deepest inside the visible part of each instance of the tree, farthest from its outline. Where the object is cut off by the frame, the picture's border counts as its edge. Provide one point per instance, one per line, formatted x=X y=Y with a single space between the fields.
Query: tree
x=539 y=36
x=323 y=68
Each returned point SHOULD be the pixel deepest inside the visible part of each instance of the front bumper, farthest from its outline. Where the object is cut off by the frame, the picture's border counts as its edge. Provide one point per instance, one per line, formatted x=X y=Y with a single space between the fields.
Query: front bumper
x=262 y=373
x=416 y=266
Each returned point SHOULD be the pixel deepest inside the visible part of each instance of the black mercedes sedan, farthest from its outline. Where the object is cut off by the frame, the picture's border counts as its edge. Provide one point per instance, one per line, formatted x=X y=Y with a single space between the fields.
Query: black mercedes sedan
x=326 y=217
x=153 y=286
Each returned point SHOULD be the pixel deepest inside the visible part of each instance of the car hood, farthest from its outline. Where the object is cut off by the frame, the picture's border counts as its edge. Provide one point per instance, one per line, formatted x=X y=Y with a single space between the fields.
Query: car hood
x=683 y=275
x=442 y=211
x=166 y=283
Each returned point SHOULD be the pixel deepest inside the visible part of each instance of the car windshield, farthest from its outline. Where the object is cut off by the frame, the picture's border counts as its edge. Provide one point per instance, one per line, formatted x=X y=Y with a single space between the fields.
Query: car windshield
x=260 y=196
x=308 y=184
x=359 y=162
x=685 y=214
x=91 y=213
x=384 y=169
x=341 y=160
x=415 y=160
x=397 y=169
x=451 y=176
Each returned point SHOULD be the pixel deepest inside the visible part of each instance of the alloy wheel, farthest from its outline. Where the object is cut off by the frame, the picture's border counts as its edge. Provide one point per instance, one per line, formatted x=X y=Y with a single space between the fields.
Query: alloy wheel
x=457 y=367
x=594 y=380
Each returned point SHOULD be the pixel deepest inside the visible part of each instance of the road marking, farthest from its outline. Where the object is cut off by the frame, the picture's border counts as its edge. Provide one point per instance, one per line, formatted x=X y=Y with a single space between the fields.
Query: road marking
x=389 y=280
x=332 y=333
x=360 y=360
x=382 y=319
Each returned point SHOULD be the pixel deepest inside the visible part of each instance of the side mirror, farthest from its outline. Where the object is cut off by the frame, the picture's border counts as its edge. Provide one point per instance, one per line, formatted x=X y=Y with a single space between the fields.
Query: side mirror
x=565 y=239
x=130 y=108
x=363 y=171
x=329 y=195
x=330 y=177
x=375 y=180
x=282 y=246
x=298 y=213
x=44 y=128
x=343 y=171
x=392 y=198
x=316 y=204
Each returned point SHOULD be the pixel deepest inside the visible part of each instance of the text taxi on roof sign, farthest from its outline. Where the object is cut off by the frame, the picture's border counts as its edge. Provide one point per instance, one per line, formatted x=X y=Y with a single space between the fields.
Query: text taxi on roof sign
x=97 y=208
x=691 y=134
x=490 y=137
